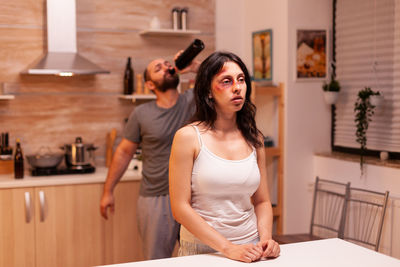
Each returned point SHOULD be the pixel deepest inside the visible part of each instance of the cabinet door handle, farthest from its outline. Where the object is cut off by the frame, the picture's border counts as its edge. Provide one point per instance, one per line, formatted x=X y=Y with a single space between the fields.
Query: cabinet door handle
x=28 y=208
x=42 y=201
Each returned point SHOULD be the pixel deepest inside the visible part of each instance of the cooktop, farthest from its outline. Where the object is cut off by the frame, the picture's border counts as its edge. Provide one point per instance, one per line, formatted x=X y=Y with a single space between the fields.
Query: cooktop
x=62 y=171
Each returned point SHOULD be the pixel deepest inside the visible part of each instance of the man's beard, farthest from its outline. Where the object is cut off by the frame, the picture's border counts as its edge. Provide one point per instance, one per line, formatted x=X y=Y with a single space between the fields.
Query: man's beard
x=169 y=82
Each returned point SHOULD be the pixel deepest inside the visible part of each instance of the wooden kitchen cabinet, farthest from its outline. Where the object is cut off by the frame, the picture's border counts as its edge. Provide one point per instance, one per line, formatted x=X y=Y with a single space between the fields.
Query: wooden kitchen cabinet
x=68 y=225
x=17 y=235
x=62 y=226
x=122 y=237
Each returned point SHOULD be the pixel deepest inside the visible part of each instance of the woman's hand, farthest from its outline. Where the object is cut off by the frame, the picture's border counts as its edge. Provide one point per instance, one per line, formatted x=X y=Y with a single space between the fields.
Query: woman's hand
x=245 y=252
x=270 y=248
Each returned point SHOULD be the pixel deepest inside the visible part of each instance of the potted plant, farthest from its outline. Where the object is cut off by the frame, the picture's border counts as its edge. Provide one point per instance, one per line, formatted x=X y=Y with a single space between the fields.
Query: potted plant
x=364 y=110
x=331 y=91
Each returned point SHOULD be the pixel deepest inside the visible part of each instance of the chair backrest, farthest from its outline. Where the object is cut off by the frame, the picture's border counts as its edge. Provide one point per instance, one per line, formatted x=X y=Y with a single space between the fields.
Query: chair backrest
x=365 y=214
x=328 y=208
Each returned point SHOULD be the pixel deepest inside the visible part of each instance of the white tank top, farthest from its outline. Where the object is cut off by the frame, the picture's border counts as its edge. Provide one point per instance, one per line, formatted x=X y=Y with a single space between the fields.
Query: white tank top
x=221 y=191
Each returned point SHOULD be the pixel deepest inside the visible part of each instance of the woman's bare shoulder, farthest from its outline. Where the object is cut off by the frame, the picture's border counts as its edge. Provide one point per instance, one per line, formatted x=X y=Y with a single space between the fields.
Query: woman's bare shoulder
x=186 y=139
x=186 y=132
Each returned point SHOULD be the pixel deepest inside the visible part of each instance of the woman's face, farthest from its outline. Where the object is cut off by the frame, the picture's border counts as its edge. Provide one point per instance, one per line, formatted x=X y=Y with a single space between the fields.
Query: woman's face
x=228 y=88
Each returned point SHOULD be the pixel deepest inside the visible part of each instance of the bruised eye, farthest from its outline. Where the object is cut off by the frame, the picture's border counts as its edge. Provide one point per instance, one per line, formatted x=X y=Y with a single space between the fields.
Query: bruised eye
x=227 y=82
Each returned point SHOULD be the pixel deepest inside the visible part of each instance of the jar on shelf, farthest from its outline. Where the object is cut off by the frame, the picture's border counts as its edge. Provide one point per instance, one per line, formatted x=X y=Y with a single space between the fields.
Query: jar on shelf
x=184 y=12
x=175 y=18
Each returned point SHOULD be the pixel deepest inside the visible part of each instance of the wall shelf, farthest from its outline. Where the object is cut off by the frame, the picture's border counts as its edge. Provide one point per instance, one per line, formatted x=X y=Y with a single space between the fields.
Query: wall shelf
x=272 y=151
x=168 y=32
x=135 y=97
x=276 y=152
x=7 y=97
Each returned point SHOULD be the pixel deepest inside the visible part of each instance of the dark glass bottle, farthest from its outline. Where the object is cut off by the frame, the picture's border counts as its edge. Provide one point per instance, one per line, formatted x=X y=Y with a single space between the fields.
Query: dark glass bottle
x=7 y=149
x=128 y=78
x=2 y=145
x=18 y=162
x=189 y=54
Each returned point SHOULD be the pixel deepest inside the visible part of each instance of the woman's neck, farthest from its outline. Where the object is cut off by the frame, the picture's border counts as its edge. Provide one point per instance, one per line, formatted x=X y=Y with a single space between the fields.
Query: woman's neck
x=225 y=123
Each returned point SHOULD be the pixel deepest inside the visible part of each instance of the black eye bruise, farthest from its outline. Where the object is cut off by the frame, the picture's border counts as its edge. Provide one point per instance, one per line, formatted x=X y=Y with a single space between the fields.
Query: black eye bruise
x=226 y=81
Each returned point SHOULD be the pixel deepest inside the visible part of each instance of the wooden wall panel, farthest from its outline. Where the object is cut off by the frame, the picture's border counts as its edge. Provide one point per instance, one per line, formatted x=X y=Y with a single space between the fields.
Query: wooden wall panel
x=50 y=110
x=18 y=48
x=22 y=12
x=56 y=119
x=109 y=83
x=136 y=15
x=116 y=47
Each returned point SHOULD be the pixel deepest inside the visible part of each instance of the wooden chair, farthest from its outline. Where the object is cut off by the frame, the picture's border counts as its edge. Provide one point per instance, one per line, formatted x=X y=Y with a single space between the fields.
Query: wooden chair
x=364 y=217
x=327 y=218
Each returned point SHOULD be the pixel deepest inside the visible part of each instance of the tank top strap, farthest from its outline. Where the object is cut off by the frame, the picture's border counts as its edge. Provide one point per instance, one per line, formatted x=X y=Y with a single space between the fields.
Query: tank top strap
x=198 y=135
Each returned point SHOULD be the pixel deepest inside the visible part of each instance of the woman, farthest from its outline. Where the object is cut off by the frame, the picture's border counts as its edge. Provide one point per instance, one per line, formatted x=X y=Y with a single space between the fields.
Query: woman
x=218 y=186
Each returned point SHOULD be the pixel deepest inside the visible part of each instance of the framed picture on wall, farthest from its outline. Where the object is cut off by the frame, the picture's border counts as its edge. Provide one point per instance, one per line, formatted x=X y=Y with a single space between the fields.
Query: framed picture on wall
x=311 y=55
x=262 y=55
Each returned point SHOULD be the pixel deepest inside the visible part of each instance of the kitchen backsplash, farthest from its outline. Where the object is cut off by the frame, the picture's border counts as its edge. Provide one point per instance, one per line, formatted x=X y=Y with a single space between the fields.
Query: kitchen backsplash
x=52 y=110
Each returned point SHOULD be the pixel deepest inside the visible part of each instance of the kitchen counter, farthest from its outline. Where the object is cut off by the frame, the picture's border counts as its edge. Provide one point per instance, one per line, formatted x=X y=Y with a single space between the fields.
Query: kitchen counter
x=99 y=176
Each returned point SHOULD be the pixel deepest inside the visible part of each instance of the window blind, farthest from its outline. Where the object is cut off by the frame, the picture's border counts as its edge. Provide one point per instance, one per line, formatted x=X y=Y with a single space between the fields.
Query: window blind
x=368 y=55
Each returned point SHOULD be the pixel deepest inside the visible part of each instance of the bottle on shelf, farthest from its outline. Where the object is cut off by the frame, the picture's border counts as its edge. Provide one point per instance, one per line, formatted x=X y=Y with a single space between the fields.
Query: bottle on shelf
x=128 y=78
x=139 y=84
x=2 y=140
x=18 y=161
x=6 y=150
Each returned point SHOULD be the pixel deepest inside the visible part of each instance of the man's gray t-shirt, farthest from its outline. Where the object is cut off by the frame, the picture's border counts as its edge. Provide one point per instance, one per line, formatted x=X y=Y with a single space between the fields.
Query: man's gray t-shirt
x=154 y=127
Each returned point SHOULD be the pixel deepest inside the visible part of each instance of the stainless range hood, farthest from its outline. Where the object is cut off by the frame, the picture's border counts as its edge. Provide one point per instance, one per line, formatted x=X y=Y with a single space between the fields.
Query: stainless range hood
x=62 y=57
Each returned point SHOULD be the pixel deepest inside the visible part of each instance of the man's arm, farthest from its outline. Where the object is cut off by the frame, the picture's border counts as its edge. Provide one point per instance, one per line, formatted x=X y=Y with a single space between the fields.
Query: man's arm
x=122 y=156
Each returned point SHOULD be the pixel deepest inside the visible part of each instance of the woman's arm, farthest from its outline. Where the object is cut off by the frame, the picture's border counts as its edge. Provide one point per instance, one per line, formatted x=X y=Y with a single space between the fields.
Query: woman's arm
x=184 y=150
x=263 y=210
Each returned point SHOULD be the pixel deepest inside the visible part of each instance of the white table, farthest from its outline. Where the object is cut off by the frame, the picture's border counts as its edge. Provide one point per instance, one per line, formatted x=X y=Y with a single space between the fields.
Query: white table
x=321 y=253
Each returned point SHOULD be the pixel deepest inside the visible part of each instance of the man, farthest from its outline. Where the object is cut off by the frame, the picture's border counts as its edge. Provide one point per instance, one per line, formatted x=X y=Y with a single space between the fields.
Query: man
x=153 y=125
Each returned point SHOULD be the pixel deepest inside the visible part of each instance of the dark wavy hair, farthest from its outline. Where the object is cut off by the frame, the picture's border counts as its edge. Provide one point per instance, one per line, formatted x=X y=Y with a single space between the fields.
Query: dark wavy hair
x=205 y=109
